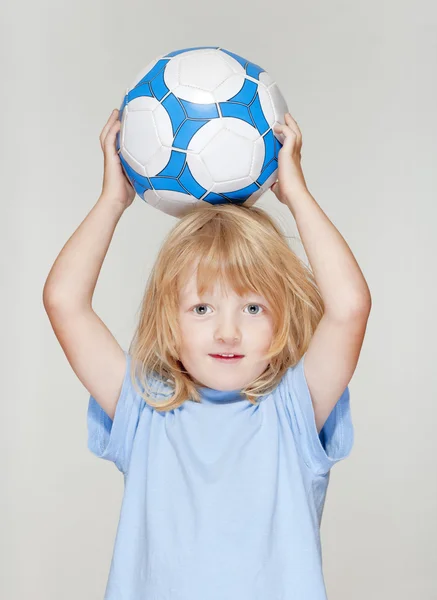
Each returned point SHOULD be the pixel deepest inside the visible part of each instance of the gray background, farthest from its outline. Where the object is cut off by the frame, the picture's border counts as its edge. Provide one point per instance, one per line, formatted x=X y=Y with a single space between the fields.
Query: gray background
x=360 y=79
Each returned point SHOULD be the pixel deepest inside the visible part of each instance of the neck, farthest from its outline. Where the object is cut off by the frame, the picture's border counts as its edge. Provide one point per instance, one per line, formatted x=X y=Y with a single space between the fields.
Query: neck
x=220 y=396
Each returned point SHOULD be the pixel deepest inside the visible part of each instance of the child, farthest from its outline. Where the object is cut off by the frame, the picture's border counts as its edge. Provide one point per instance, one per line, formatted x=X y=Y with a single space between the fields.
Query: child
x=226 y=461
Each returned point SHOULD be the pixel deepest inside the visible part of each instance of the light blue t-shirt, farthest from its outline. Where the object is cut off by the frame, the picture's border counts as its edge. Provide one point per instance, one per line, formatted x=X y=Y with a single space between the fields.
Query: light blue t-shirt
x=223 y=499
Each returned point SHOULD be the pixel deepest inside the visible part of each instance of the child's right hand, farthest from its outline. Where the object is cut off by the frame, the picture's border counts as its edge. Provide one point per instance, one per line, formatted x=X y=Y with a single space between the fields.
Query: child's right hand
x=116 y=186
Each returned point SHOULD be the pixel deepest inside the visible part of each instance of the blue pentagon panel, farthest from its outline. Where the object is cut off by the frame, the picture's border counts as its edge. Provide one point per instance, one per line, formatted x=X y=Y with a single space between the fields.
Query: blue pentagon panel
x=253 y=70
x=238 y=111
x=273 y=164
x=174 y=166
x=159 y=87
x=190 y=184
x=140 y=90
x=123 y=104
x=239 y=59
x=213 y=198
x=176 y=52
x=242 y=194
x=199 y=111
x=167 y=183
x=153 y=72
x=258 y=115
x=186 y=132
x=140 y=183
x=246 y=94
x=175 y=111
x=270 y=150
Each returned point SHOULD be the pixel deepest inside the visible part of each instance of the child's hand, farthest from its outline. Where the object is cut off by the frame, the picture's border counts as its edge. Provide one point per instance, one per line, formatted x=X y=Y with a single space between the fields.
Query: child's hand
x=116 y=185
x=291 y=180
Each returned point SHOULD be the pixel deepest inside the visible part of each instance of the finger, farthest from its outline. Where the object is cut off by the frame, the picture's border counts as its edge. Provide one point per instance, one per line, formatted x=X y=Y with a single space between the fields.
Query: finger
x=289 y=134
x=113 y=116
x=109 y=147
x=285 y=129
x=292 y=123
x=112 y=119
x=275 y=189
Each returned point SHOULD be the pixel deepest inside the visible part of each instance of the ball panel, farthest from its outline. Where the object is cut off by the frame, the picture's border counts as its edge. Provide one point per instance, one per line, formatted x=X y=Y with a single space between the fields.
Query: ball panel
x=245 y=94
x=200 y=171
x=192 y=186
x=278 y=102
x=240 y=128
x=229 y=88
x=175 y=204
x=258 y=116
x=175 y=112
x=135 y=166
x=204 y=76
x=200 y=111
x=158 y=86
x=271 y=148
x=161 y=162
x=186 y=133
x=151 y=197
x=253 y=70
x=258 y=158
x=229 y=155
x=234 y=185
x=139 y=125
x=139 y=182
x=273 y=176
x=204 y=135
x=266 y=105
x=193 y=94
x=205 y=72
x=265 y=79
x=238 y=112
x=267 y=172
x=163 y=124
x=254 y=196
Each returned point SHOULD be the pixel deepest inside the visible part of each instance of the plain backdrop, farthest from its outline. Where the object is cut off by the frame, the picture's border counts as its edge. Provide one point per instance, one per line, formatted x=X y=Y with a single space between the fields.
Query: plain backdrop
x=360 y=79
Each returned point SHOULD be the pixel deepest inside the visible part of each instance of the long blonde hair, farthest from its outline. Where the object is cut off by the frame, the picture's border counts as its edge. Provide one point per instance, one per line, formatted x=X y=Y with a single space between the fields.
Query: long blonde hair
x=242 y=248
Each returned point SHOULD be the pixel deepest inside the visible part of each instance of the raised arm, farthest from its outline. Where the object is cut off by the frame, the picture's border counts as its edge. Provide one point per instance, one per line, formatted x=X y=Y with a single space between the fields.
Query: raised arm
x=92 y=351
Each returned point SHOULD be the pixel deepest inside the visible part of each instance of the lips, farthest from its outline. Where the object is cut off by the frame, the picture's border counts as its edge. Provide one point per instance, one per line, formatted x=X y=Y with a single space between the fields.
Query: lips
x=220 y=356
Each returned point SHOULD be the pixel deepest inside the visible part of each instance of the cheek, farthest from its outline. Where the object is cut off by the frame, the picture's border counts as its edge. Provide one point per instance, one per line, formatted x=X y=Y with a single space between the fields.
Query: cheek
x=192 y=338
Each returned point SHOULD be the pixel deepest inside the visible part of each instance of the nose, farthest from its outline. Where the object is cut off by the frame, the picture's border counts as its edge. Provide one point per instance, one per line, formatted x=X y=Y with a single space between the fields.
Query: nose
x=227 y=330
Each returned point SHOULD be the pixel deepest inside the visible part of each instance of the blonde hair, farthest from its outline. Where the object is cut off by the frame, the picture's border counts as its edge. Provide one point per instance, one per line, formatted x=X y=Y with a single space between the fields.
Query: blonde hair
x=244 y=249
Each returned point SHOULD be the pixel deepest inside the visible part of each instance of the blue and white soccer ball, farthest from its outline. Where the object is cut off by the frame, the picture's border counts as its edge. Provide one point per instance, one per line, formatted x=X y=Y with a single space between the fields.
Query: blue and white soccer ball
x=197 y=126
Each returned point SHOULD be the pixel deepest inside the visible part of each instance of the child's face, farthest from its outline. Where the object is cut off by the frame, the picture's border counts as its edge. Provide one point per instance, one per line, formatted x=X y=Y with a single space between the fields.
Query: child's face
x=220 y=323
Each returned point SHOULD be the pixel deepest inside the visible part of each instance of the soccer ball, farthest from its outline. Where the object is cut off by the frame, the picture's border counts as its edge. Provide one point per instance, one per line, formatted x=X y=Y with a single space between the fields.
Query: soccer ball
x=197 y=126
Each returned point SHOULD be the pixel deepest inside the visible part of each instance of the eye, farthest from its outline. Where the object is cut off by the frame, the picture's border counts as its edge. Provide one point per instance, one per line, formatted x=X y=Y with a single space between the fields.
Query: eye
x=197 y=306
x=206 y=305
x=258 y=305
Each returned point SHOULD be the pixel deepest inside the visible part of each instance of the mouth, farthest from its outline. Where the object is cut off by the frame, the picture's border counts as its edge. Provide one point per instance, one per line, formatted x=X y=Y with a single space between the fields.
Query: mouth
x=227 y=359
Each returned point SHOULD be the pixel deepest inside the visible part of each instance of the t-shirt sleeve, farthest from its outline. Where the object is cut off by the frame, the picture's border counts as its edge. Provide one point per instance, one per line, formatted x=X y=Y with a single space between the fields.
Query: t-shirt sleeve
x=335 y=440
x=113 y=439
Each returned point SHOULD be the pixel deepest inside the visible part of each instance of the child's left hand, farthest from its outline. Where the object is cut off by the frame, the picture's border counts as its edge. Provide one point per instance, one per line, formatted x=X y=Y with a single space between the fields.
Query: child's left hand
x=291 y=180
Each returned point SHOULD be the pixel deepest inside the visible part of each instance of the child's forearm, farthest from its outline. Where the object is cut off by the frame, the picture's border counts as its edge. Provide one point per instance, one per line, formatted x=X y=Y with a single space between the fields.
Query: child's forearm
x=73 y=276
x=339 y=278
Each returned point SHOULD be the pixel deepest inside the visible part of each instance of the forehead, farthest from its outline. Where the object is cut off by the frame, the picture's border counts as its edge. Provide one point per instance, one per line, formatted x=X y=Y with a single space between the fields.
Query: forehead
x=188 y=289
